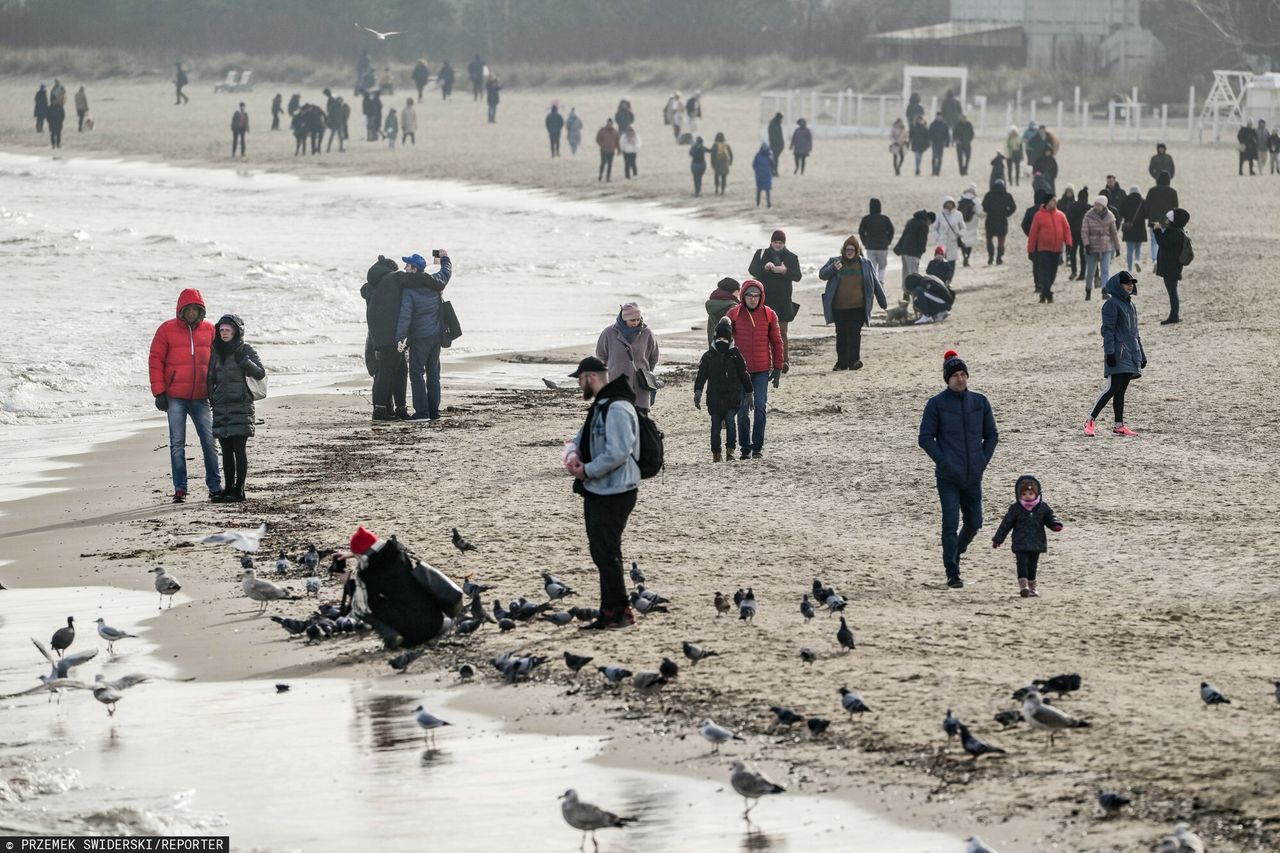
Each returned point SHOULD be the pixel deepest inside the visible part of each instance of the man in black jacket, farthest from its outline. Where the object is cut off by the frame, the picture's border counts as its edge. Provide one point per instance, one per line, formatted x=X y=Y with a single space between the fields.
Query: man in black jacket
x=1161 y=161
x=912 y=244
x=876 y=233
x=382 y=293
x=958 y=431
x=963 y=134
x=939 y=138
x=998 y=205
x=777 y=268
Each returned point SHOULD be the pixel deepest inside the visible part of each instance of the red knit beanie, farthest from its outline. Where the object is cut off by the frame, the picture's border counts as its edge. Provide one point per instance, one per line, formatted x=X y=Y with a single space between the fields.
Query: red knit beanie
x=362 y=540
x=952 y=363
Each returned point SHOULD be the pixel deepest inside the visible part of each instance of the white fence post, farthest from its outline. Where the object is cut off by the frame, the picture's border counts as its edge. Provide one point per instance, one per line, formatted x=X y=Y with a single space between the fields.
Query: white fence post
x=857 y=119
x=982 y=115
x=1008 y=114
x=1019 y=97
x=1059 y=123
x=1111 y=122
x=1031 y=117
x=1084 y=121
x=1191 y=113
x=1138 y=123
x=1164 y=120
x=933 y=107
x=882 y=111
x=1075 y=108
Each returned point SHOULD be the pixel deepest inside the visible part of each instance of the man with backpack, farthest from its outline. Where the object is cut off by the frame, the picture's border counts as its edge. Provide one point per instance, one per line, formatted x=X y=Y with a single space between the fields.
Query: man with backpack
x=604 y=460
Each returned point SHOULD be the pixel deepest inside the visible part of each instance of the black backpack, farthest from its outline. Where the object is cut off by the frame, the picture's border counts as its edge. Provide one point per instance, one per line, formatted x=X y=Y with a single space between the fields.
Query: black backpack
x=1187 y=255
x=651 y=450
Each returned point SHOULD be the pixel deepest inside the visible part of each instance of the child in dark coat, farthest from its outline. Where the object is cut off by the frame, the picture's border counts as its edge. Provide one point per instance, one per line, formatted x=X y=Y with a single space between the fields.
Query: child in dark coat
x=723 y=372
x=940 y=267
x=1027 y=517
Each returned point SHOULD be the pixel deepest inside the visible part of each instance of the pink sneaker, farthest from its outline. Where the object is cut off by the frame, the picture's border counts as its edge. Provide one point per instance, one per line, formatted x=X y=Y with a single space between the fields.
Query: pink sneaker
x=1088 y=427
x=1121 y=429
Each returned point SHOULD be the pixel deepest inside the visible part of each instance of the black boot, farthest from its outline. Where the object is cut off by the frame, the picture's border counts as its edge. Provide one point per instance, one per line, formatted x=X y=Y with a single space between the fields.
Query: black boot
x=382 y=413
x=1000 y=257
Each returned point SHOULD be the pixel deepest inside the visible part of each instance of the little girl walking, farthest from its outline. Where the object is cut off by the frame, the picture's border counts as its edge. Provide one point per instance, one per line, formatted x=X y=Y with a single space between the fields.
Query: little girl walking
x=1027 y=517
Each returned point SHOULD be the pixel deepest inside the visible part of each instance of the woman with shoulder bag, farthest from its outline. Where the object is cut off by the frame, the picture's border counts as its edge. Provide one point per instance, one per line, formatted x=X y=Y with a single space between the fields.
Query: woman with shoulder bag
x=628 y=348
x=232 y=366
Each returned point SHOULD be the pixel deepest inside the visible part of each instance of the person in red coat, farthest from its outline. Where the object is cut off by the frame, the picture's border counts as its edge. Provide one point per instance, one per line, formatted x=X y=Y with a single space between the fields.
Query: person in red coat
x=179 y=367
x=1049 y=233
x=759 y=339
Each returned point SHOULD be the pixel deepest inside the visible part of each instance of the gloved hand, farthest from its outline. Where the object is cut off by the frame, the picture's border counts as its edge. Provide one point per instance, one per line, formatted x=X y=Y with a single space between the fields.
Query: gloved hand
x=697 y=401
x=1056 y=527
x=402 y=345
x=995 y=543
x=776 y=376
x=1144 y=362
x=1117 y=254
x=162 y=402
x=1031 y=257
x=1111 y=360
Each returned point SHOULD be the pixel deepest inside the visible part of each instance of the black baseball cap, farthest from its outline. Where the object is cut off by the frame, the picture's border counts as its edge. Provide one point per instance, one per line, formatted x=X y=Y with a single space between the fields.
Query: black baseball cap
x=1125 y=277
x=590 y=364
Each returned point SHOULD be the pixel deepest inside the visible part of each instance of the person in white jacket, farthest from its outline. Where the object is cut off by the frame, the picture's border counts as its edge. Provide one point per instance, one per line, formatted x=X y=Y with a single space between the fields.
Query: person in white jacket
x=970 y=214
x=629 y=144
x=948 y=229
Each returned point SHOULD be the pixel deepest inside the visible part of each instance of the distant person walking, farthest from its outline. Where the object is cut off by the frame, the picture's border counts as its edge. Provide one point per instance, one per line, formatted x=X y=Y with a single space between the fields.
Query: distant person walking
x=231 y=402
x=939 y=139
x=629 y=145
x=898 y=138
x=41 y=112
x=573 y=131
x=1123 y=356
x=1247 y=145
x=918 y=136
x=876 y=232
x=1101 y=239
x=409 y=123
x=1161 y=161
x=852 y=284
x=777 y=142
x=179 y=82
x=962 y=132
x=554 y=123
x=721 y=161
x=82 y=108
x=420 y=327
x=624 y=117
x=1273 y=148
x=998 y=205
x=445 y=79
x=1159 y=200
x=239 y=128
x=958 y=431
x=697 y=164
x=778 y=269
x=1262 y=134
x=1133 y=224
x=607 y=139
x=391 y=128
x=1174 y=255
x=1013 y=156
x=421 y=75
x=475 y=70
x=493 y=89
x=951 y=109
x=56 y=115
x=998 y=171
x=603 y=461
x=1049 y=235
x=763 y=166
x=912 y=244
x=277 y=107
x=755 y=329
x=629 y=350
x=801 y=145
x=719 y=303
x=178 y=365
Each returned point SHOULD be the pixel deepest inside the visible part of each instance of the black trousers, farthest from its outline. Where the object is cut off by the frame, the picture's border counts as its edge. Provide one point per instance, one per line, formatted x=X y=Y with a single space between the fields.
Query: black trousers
x=606 y=517
x=848 y=336
x=1117 y=384
x=1027 y=563
x=237 y=136
x=963 y=153
x=235 y=462
x=606 y=165
x=800 y=158
x=1045 y=267
x=1015 y=172
x=936 y=163
x=722 y=182
x=629 y=165
x=391 y=381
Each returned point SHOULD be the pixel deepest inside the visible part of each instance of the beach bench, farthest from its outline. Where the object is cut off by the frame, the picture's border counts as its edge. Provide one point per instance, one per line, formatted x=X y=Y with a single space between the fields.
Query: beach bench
x=245 y=84
x=230 y=84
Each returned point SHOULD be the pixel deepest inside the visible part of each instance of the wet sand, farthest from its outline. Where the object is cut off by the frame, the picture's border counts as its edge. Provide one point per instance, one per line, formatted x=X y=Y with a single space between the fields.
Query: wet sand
x=1163 y=577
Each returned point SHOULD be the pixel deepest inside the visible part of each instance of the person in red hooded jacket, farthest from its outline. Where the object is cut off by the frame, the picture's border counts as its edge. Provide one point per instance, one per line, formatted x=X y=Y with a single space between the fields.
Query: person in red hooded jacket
x=759 y=339
x=1049 y=234
x=179 y=367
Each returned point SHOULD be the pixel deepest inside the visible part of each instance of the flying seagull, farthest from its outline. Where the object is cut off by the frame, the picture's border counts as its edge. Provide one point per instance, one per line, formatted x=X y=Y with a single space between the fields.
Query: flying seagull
x=243 y=540
x=588 y=817
x=59 y=676
x=380 y=36
x=108 y=692
x=110 y=634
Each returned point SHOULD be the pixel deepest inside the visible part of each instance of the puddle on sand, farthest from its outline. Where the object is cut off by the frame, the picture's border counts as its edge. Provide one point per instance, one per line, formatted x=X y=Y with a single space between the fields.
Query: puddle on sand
x=335 y=764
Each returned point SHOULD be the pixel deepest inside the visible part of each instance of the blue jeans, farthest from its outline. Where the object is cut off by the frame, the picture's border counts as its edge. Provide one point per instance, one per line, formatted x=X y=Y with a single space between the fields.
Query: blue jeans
x=493 y=113
x=424 y=375
x=1132 y=254
x=1091 y=262
x=919 y=157
x=728 y=419
x=760 y=387
x=202 y=417
x=956 y=500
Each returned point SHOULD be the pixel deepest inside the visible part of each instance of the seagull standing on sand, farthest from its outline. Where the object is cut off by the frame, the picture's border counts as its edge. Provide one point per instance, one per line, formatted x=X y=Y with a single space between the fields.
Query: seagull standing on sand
x=165 y=585
x=378 y=35
x=716 y=735
x=429 y=723
x=588 y=818
x=243 y=540
x=751 y=785
x=108 y=692
x=1047 y=718
x=111 y=635
x=263 y=591
x=64 y=637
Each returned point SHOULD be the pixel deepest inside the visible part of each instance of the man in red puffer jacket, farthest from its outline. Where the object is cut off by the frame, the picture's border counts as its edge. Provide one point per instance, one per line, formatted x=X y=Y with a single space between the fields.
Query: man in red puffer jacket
x=1050 y=234
x=759 y=339
x=179 y=366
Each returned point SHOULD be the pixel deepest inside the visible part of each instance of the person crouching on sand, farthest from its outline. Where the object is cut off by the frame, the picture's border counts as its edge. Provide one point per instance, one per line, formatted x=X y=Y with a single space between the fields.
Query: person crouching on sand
x=232 y=362
x=1027 y=518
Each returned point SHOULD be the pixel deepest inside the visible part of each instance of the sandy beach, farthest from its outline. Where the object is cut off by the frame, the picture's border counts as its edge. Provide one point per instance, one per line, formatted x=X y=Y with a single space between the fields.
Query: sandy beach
x=1165 y=575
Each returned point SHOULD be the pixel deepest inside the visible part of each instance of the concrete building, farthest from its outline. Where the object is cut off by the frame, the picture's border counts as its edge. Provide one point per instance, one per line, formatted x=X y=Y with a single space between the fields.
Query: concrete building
x=1040 y=33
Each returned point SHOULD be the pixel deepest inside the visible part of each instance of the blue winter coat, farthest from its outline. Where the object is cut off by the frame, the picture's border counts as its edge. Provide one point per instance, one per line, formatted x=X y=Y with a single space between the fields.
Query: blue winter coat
x=420 y=308
x=958 y=431
x=762 y=165
x=1120 y=331
x=870 y=286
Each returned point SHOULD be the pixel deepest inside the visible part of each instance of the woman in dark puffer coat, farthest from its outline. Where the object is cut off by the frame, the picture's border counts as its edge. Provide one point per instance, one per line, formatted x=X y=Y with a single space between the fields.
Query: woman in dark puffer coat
x=233 y=415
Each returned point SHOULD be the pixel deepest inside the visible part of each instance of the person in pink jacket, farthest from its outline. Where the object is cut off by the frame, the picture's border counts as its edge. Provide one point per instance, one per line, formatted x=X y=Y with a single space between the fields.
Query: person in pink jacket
x=1100 y=238
x=759 y=339
x=1049 y=234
